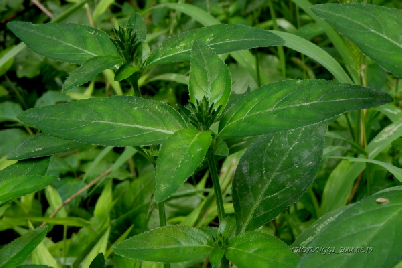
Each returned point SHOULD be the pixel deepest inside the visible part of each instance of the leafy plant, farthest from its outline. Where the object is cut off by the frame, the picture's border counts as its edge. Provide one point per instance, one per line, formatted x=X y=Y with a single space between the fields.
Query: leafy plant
x=282 y=125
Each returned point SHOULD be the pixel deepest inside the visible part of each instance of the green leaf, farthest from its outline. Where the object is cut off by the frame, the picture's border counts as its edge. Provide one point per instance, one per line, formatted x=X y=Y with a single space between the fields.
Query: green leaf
x=398 y=144
x=274 y=172
x=9 y=111
x=115 y=121
x=8 y=62
x=98 y=262
x=68 y=42
x=125 y=71
x=23 y=185
x=167 y=244
x=25 y=168
x=295 y=103
x=14 y=137
x=316 y=53
x=100 y=8
x=221 y=38
x=397 y=172
x=43 y=145
x=68 y=221
x=374 y=29
x=360 y=226
x=179 y=157
x=33 y=266
x=52 y=98
x=253 y=249
x=137 y=23
x=18 y=251
x=89 y=69
x=209 y=76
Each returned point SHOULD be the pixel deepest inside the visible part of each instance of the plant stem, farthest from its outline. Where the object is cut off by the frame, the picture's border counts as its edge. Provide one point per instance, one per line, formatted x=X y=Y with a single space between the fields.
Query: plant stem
x=162 y=222
x=133 y=80
x=217 y=187
x=281 y=52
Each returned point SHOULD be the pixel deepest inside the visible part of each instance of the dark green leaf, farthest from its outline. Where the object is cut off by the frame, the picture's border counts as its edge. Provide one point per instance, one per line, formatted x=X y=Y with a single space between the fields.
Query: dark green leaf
x=253 y=249
x=179 y=157
x=43 y=145
x=33 y=266
x=13 y=136
x=89 y=69
x=398 y=144
x=371 y=226
x=209 y=76
x=72 y=43
x=216 y=255
x=295 y=103
x=25 y=168
x=18 y=251
x=115 y=121
x=221 y=38
x=274 y=172
x=137 y=23
x=98 y=262
x=167 y=244
x=125 y=71
x=374 y=29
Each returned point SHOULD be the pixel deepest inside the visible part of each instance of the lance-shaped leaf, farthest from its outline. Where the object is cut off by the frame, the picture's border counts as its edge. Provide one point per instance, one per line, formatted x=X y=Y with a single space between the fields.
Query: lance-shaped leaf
x=295 y=103
x=23 y=178
x=376 y=30
x=19 y=250
x=137 y=23
x=43 y=145
x=89 y=69
x=368 y=232
x=254 y=249
x=167 y=244
x=98 y=262
x=222 y=38
x=179 y=157
x=114 y=121
x=209 y=76
x=67 y=42
x=274 y=172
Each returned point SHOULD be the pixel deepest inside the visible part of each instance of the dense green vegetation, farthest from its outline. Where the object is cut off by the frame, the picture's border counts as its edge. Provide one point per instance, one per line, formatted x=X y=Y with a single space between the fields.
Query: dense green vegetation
x=200 y=133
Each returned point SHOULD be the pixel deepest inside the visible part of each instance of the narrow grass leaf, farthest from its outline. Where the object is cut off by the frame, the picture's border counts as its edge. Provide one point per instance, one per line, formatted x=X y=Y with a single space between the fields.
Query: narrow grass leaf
x=376 y=30
x=274 y=172
x=221 y=38
x=179 y=157
x=67 y=42
x=176 y=243
x=254 y=249
x=114 y=121
x=209 y=76
x=368 y=229
x=43 y=145
x=89 y=69
x=19 y=250
x=295 y=103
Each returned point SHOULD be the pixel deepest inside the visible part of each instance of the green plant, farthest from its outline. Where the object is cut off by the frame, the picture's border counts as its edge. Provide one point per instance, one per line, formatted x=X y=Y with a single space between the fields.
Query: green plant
x=286 y=120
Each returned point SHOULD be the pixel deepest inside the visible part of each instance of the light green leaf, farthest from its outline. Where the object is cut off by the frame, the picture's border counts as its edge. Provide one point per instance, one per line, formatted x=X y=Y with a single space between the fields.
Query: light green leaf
x=69 y=221
x=179 y=157
x=52 y=98
x=178 y=78
x=397 y=172
x=167 y=244
x=89 y=69
x=253 y=249
x=221 y=38
x=376 y=30
x=209 y=76
x=67 y=42
x=369 y=226
x=100 y=8
x=137 y=23
x=43 y=145
x=9 y=111
x=8 y=62
x=274 y=172
x=33 y=266
x=18 y=251
x=316 y=53
x=115 y=121
x=42 y=256
x=295 y=103
x=126 y=70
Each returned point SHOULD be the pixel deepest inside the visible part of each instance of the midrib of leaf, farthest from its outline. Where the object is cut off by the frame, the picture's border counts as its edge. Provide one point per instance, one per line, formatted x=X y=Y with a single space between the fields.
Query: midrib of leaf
x=284 y=107
x=265 y=187
x=364 y=26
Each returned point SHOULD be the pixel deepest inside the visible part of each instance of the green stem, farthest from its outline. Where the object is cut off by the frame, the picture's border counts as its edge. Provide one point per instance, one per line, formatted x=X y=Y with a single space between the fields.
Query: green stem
x=162 y=222
x=133 y=80
x=281 y=51
x=217 y=187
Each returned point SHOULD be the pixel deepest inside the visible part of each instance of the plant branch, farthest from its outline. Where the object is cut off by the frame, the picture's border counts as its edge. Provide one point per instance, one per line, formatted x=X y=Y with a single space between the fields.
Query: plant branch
x=43 y=8
x=78 y=193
